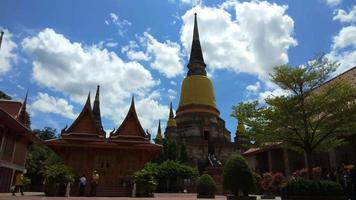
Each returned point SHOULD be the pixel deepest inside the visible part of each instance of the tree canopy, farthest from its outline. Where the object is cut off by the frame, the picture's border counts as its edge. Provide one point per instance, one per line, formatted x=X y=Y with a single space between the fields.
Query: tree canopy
x=312 y=115
x=40 y=157
x=3 y=95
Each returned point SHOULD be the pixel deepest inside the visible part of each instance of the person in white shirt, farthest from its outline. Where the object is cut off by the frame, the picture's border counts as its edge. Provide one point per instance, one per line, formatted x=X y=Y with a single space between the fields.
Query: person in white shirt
x=82 y=184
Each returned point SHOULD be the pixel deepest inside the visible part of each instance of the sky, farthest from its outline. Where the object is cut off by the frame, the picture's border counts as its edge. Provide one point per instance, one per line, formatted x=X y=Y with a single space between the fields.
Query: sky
x=61 y=50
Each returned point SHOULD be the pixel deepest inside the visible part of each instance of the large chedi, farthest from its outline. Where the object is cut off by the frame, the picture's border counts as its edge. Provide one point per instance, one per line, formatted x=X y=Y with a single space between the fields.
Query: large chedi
x=197 y=123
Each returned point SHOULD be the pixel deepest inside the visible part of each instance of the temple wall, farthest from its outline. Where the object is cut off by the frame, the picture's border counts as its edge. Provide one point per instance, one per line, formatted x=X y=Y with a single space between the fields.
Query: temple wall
x=20 y=152
x=204 y=133
x=112 y=165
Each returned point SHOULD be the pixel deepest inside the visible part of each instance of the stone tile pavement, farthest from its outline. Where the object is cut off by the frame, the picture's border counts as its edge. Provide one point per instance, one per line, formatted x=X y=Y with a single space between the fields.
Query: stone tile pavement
x=158 y=196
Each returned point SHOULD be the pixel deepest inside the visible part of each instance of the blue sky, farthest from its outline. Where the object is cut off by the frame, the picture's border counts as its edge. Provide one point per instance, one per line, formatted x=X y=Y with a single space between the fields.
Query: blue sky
x=60 y=50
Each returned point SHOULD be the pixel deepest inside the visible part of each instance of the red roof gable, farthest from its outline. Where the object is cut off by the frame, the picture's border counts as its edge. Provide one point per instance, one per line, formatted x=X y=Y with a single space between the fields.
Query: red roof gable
x=13 y=108
x=85 y=124
x=131 y=127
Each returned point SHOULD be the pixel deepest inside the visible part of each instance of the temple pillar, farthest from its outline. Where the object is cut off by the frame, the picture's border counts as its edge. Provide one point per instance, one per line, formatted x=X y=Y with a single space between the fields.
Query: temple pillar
x=332 y=158
x=269 y=156
x=286 y=162
x=13 y=150
x=2 y=145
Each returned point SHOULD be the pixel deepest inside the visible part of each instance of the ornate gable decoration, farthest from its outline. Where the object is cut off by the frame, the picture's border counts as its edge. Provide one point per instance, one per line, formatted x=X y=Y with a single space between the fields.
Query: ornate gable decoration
x=131 y=127
x=86 y=124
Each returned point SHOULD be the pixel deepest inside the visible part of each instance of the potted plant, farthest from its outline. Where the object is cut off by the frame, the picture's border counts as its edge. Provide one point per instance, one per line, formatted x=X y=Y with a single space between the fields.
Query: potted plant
x=238 y=178
x=206 y=187
x=56 y=178
x=304 y=189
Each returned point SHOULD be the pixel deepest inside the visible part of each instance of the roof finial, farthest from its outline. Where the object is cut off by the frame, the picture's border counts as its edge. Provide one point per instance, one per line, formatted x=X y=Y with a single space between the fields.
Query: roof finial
x=96 y=106
x=25 y=100
x=171 y=116
x=1 y=36
x=196 y=63
x=22 y=115
x=87 y=103
x=133 y=100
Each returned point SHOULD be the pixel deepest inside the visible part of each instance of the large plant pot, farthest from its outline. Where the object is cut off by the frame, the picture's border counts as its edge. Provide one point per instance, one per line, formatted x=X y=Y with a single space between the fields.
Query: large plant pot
x=314 y=198
x=206 y=196
x=231 y=197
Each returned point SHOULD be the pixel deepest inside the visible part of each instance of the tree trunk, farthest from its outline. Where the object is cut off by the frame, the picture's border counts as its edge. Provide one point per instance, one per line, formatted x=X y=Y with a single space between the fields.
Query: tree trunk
x=309 y=164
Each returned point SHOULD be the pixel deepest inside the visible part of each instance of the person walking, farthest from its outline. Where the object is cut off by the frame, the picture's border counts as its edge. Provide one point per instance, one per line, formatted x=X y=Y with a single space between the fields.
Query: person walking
x=94 y=183
x=353 y=183
x=82 y=184
x=18 y=183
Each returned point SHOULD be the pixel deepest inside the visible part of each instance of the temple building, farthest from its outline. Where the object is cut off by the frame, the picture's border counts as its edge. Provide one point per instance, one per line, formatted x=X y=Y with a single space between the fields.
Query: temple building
x=84 y=147
x=15 y=138
x=273 y=158
x=197 y=123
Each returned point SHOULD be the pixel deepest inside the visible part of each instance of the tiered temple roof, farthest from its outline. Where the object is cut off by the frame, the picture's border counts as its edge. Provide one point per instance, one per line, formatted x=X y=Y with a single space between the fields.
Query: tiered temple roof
x=87 y=130
x=14 y=115
x=131 y=128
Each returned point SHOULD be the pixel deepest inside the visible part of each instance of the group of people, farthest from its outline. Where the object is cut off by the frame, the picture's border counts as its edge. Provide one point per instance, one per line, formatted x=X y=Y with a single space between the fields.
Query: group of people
x=94 y=182
x=346 y=176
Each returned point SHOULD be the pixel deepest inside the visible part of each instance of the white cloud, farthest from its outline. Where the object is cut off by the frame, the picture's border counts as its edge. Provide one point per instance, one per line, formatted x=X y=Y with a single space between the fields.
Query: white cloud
x=344 y=48
x=173 y=82
x=7 y=54
x=50 y=104
x=114 y=17
x=254 y=88
x=253 y=42
x=172 y=94
x=346 y=37
x=332 y=2
x=137 y=55
x=271 y=93
x=166 y=56
x=111 y=44
x=73 y=69
x=191 y=2
x=121 y=24
x=345 y=17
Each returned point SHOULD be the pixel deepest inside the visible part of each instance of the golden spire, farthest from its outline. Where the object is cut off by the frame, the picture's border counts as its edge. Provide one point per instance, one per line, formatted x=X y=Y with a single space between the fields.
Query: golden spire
x=171 y=121
x=197 y=92
x=159 y=138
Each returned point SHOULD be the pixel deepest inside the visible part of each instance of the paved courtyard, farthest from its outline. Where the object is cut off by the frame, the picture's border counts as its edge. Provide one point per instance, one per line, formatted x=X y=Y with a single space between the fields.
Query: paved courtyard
x=158 y=196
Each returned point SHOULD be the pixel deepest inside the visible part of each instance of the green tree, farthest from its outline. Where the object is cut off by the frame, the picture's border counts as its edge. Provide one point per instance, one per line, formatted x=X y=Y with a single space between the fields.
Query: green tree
x=41 y=157
x=237 y=176
x=310 y=117
x=183 y=156
x=172 y=150
x=206 y=186
x=46 y=133
x=3 y=95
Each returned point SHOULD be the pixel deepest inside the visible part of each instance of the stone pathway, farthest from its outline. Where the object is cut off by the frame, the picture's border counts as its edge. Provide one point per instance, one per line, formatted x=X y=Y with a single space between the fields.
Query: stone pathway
x=158 y=196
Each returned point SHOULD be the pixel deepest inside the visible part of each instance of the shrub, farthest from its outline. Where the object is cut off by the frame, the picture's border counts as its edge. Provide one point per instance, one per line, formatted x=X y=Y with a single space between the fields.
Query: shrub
x=304 y=187
x=206 y=186
x=238 y=176
x=145 y=183
x=171 y=174
x=26 y=181
x=56 y=177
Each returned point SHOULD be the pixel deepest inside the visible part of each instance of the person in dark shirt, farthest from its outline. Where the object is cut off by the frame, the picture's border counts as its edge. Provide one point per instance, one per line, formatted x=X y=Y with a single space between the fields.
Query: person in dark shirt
x=353 y=182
